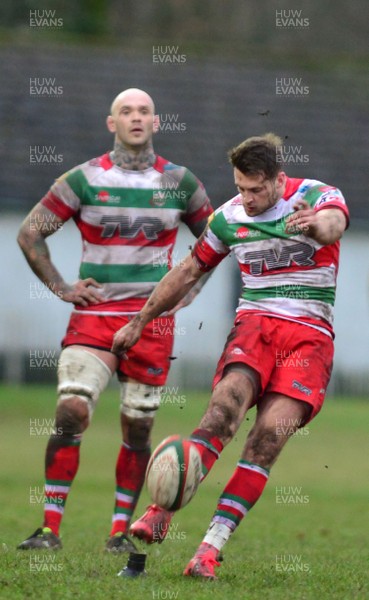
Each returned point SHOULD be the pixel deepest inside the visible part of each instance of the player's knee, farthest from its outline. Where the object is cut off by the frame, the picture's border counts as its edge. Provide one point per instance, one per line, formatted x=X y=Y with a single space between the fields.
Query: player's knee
x=72 y=415
x=224 y=415
x=220 y=420
x=82 y=377
x=227 y=407
x=139 y=403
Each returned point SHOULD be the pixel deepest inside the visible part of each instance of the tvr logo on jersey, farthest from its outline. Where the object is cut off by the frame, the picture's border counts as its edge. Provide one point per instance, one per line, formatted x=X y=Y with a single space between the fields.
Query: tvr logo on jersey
x=148 y=226
x=299 y=253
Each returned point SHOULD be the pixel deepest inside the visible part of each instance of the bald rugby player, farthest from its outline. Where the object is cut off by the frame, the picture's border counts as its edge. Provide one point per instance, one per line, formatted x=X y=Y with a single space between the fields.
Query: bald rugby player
x=127 y=205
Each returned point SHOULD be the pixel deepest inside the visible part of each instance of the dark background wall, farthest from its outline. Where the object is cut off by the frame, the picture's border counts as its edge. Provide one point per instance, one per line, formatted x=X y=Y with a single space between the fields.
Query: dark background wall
x=225 y=89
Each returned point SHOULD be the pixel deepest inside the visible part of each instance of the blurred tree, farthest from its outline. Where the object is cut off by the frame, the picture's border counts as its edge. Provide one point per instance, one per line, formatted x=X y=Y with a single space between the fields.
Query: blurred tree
x=90 y=17
x=79 y=16
x=337 y=31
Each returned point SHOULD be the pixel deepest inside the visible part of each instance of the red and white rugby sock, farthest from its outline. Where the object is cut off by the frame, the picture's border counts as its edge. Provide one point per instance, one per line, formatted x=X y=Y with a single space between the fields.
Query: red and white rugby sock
x=62 y=460
x=239 y=496
x=130 y=475
x=209 y=447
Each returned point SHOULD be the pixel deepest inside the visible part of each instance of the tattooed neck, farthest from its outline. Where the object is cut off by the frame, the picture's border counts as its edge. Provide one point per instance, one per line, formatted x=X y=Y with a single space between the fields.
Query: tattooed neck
x=131 y=160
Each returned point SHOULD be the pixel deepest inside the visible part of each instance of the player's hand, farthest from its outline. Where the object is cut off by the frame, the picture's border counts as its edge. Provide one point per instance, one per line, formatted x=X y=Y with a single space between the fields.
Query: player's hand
x=126 y=337
x=304 y=220
x=81 y=292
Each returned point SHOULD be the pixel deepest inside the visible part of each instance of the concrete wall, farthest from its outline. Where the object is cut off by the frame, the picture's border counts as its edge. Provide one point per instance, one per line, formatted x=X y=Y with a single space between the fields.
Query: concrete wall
x=32 y=320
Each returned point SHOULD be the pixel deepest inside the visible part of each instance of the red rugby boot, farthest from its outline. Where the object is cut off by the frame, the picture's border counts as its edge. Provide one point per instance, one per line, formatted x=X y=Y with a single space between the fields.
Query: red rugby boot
x=153 y=526
x=203 y=563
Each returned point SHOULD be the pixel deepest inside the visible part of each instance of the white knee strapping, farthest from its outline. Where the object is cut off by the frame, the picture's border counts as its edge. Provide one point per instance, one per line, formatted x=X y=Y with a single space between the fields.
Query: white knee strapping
x=82 y=374
x=139 y=400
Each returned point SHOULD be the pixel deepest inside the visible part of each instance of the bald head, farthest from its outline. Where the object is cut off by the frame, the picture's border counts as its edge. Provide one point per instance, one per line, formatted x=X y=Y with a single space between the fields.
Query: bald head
x=129 y=97
x=132 y=119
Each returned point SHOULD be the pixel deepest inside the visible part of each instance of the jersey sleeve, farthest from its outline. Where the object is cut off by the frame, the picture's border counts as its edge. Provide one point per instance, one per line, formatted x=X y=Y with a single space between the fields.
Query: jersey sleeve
x=198 y=205
x=63 y=198
x=331 y=197
x=209 y=250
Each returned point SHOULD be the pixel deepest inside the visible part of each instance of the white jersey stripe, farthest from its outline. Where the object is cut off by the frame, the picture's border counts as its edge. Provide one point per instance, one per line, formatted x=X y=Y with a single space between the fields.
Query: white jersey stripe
x=128 y=255
x=319 y=277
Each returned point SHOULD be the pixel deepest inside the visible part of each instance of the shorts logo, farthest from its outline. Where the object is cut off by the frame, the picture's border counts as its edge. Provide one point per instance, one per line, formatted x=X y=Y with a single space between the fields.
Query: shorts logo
x=154 y=371
x=303 y=389
x=237 y=351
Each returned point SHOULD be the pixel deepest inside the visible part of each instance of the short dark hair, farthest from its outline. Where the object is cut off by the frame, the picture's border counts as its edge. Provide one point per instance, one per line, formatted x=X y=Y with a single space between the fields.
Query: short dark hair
x=259 y=155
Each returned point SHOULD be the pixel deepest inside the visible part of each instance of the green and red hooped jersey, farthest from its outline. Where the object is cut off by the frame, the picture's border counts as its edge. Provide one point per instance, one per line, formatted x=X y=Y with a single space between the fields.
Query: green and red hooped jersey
x=128 y=221
x=287 y=275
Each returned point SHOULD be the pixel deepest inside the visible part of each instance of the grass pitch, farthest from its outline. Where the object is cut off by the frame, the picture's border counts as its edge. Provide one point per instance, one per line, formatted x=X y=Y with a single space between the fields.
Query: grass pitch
x=307 y=538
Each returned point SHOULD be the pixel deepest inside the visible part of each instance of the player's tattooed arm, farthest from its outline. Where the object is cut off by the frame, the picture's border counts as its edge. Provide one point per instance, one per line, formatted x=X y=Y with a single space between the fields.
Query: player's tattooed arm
x=37 y=226
x=169 y=291
x=325 y=226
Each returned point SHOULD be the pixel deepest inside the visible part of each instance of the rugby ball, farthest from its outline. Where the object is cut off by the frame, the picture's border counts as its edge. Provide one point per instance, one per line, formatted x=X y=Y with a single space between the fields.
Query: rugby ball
x=174 y=472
